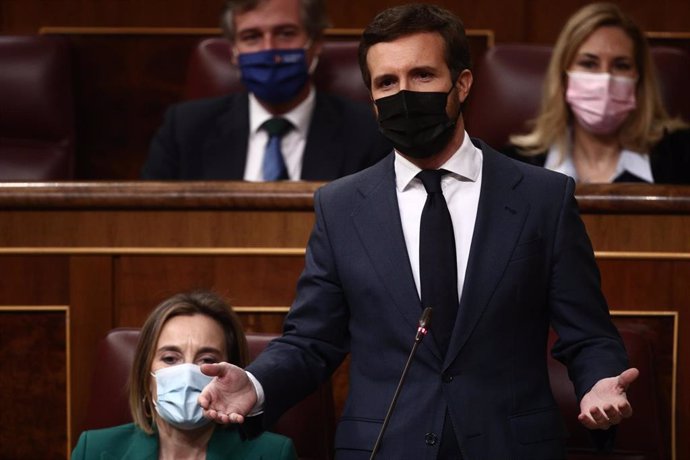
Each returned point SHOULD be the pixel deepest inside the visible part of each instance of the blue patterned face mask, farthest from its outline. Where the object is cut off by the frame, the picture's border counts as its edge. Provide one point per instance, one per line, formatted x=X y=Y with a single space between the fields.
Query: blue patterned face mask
x=178 y=388
x=275 y=76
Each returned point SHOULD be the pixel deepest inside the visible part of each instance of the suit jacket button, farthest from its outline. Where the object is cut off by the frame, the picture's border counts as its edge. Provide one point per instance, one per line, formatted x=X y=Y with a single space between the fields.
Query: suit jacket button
x=430 y=439
x=446 y=378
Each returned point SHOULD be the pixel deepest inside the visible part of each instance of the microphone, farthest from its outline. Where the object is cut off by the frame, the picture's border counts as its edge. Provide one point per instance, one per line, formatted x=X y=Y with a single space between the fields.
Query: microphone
x=422 y=331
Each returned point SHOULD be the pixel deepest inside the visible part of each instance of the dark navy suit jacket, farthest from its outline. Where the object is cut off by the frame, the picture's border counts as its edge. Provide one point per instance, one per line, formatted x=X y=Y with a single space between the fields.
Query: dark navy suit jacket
x=207 y=139
x=531 y=265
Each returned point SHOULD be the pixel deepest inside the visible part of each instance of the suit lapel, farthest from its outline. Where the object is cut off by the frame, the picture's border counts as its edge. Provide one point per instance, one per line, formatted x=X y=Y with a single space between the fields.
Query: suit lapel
x=225 y=151
x=322 y=157
x=378 y=225
x=500 y=217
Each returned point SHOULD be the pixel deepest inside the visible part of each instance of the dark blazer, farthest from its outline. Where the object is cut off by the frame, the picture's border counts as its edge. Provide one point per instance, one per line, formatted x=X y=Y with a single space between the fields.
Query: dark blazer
x=207 y=139
x=131 y=443
x=531 y=264
x=669 y=159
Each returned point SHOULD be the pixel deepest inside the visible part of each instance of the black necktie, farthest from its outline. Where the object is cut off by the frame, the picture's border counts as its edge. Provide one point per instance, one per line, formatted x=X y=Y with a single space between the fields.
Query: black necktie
x=273 y=167
x=438 y=272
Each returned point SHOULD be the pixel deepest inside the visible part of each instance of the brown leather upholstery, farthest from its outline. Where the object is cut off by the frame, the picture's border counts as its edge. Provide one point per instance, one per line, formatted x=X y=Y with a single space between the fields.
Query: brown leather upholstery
x=210 y=72
x=36 y=109
x=639 y=437
x=310 y=423
x=673 y=69
x=506 y=92
x=108 y=405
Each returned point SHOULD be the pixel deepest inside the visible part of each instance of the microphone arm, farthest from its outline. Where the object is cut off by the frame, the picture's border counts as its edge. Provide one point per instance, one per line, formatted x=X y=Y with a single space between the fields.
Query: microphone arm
x=422 y=330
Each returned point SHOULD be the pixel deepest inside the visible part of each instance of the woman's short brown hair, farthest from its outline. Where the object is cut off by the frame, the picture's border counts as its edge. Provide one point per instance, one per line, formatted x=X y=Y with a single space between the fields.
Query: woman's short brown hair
x=193 y=303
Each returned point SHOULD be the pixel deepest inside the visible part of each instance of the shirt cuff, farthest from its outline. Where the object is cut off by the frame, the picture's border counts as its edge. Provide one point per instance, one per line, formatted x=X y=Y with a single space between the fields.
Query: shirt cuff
x=260 y=398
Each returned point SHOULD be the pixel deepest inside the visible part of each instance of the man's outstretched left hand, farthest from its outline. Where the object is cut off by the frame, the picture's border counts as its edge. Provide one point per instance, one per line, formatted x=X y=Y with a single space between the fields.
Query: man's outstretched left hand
x=606 y=404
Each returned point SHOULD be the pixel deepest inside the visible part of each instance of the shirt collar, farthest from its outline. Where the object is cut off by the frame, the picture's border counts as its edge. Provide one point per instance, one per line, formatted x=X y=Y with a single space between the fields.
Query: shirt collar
x=635 y=163
x=300 y=116
x=464 y=164
x=562 y=163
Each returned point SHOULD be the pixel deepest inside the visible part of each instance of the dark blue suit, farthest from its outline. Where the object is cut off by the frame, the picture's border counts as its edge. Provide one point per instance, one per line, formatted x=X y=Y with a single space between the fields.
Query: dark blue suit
x=207 y=139
x=530 y=265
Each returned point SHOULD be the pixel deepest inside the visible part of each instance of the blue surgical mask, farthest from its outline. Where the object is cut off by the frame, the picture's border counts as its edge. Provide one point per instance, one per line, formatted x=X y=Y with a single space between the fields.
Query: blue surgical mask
x=275 y=76
x=178 y=389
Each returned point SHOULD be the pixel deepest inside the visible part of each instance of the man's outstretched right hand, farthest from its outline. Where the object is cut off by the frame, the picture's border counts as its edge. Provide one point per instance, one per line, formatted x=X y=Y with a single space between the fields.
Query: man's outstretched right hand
x=230 y=396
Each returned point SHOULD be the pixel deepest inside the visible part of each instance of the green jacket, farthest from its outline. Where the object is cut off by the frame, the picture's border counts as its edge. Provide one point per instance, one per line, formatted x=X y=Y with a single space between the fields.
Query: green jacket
x=131 y=443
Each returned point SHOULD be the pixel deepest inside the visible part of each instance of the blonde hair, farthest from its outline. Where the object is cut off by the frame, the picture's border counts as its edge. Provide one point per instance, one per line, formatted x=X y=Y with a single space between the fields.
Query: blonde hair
x=193 y=303
x=645 y=126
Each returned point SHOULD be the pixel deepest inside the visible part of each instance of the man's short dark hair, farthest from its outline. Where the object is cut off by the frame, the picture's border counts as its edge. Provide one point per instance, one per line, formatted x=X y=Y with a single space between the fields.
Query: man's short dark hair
x=312 y=12
x=403 y=20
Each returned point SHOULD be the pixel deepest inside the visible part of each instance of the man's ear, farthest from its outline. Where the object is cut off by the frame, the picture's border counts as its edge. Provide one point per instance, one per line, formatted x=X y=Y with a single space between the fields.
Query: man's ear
x=374 y=108
x=314 y=53
x=233 y=53
x=463 y=84
x=317 y=46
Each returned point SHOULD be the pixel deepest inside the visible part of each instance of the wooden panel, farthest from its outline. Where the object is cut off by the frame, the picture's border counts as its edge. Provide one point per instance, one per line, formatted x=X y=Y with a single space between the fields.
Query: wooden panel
x=37 y=280
x=246 y=281
x=673 y=39
x=524 y=20
x=156 y=229
x=263 y=322
x=27 y=16
x=114 y=250
x=33 y=382
x=91 y=317
x=544 y=18
x=650 y=233
x=123 y=84
x=661 y=330
x=156 y=215
x=637 y=283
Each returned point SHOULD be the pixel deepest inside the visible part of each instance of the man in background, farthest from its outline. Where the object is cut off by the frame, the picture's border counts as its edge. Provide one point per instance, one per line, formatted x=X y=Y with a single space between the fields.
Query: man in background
x=281 y=128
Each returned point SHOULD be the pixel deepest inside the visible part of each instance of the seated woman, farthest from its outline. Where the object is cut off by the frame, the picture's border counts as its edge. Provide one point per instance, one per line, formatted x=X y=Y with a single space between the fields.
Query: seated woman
x=182 y=333
x=601 y=118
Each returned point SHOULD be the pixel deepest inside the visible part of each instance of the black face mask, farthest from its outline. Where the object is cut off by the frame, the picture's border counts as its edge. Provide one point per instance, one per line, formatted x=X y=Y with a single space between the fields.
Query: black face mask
x=416 y=122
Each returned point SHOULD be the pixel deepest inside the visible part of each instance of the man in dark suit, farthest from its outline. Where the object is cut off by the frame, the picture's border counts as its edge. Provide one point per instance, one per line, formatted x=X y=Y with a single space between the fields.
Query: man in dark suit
x=521 y=260
x=276 y=44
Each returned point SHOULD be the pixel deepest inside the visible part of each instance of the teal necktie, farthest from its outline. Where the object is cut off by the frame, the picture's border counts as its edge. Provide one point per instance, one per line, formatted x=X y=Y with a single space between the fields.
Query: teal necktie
x=273 y=167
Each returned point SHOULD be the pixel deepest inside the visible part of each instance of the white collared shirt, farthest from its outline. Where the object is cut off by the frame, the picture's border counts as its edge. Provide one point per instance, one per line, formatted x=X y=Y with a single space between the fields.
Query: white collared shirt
x=635 y=163
x=292 y=144
x=461 y=190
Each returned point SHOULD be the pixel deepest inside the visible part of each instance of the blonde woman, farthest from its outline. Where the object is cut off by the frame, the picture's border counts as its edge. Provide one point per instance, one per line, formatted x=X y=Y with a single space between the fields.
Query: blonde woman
x=601 y=118
x=182 y=333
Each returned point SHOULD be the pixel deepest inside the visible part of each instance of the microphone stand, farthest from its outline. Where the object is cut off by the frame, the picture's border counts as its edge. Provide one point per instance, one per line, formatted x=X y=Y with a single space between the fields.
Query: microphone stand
x=422 y=330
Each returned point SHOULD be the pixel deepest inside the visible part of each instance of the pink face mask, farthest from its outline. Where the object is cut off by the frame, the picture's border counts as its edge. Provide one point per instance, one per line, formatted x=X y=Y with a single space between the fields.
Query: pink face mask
x=600 y=101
